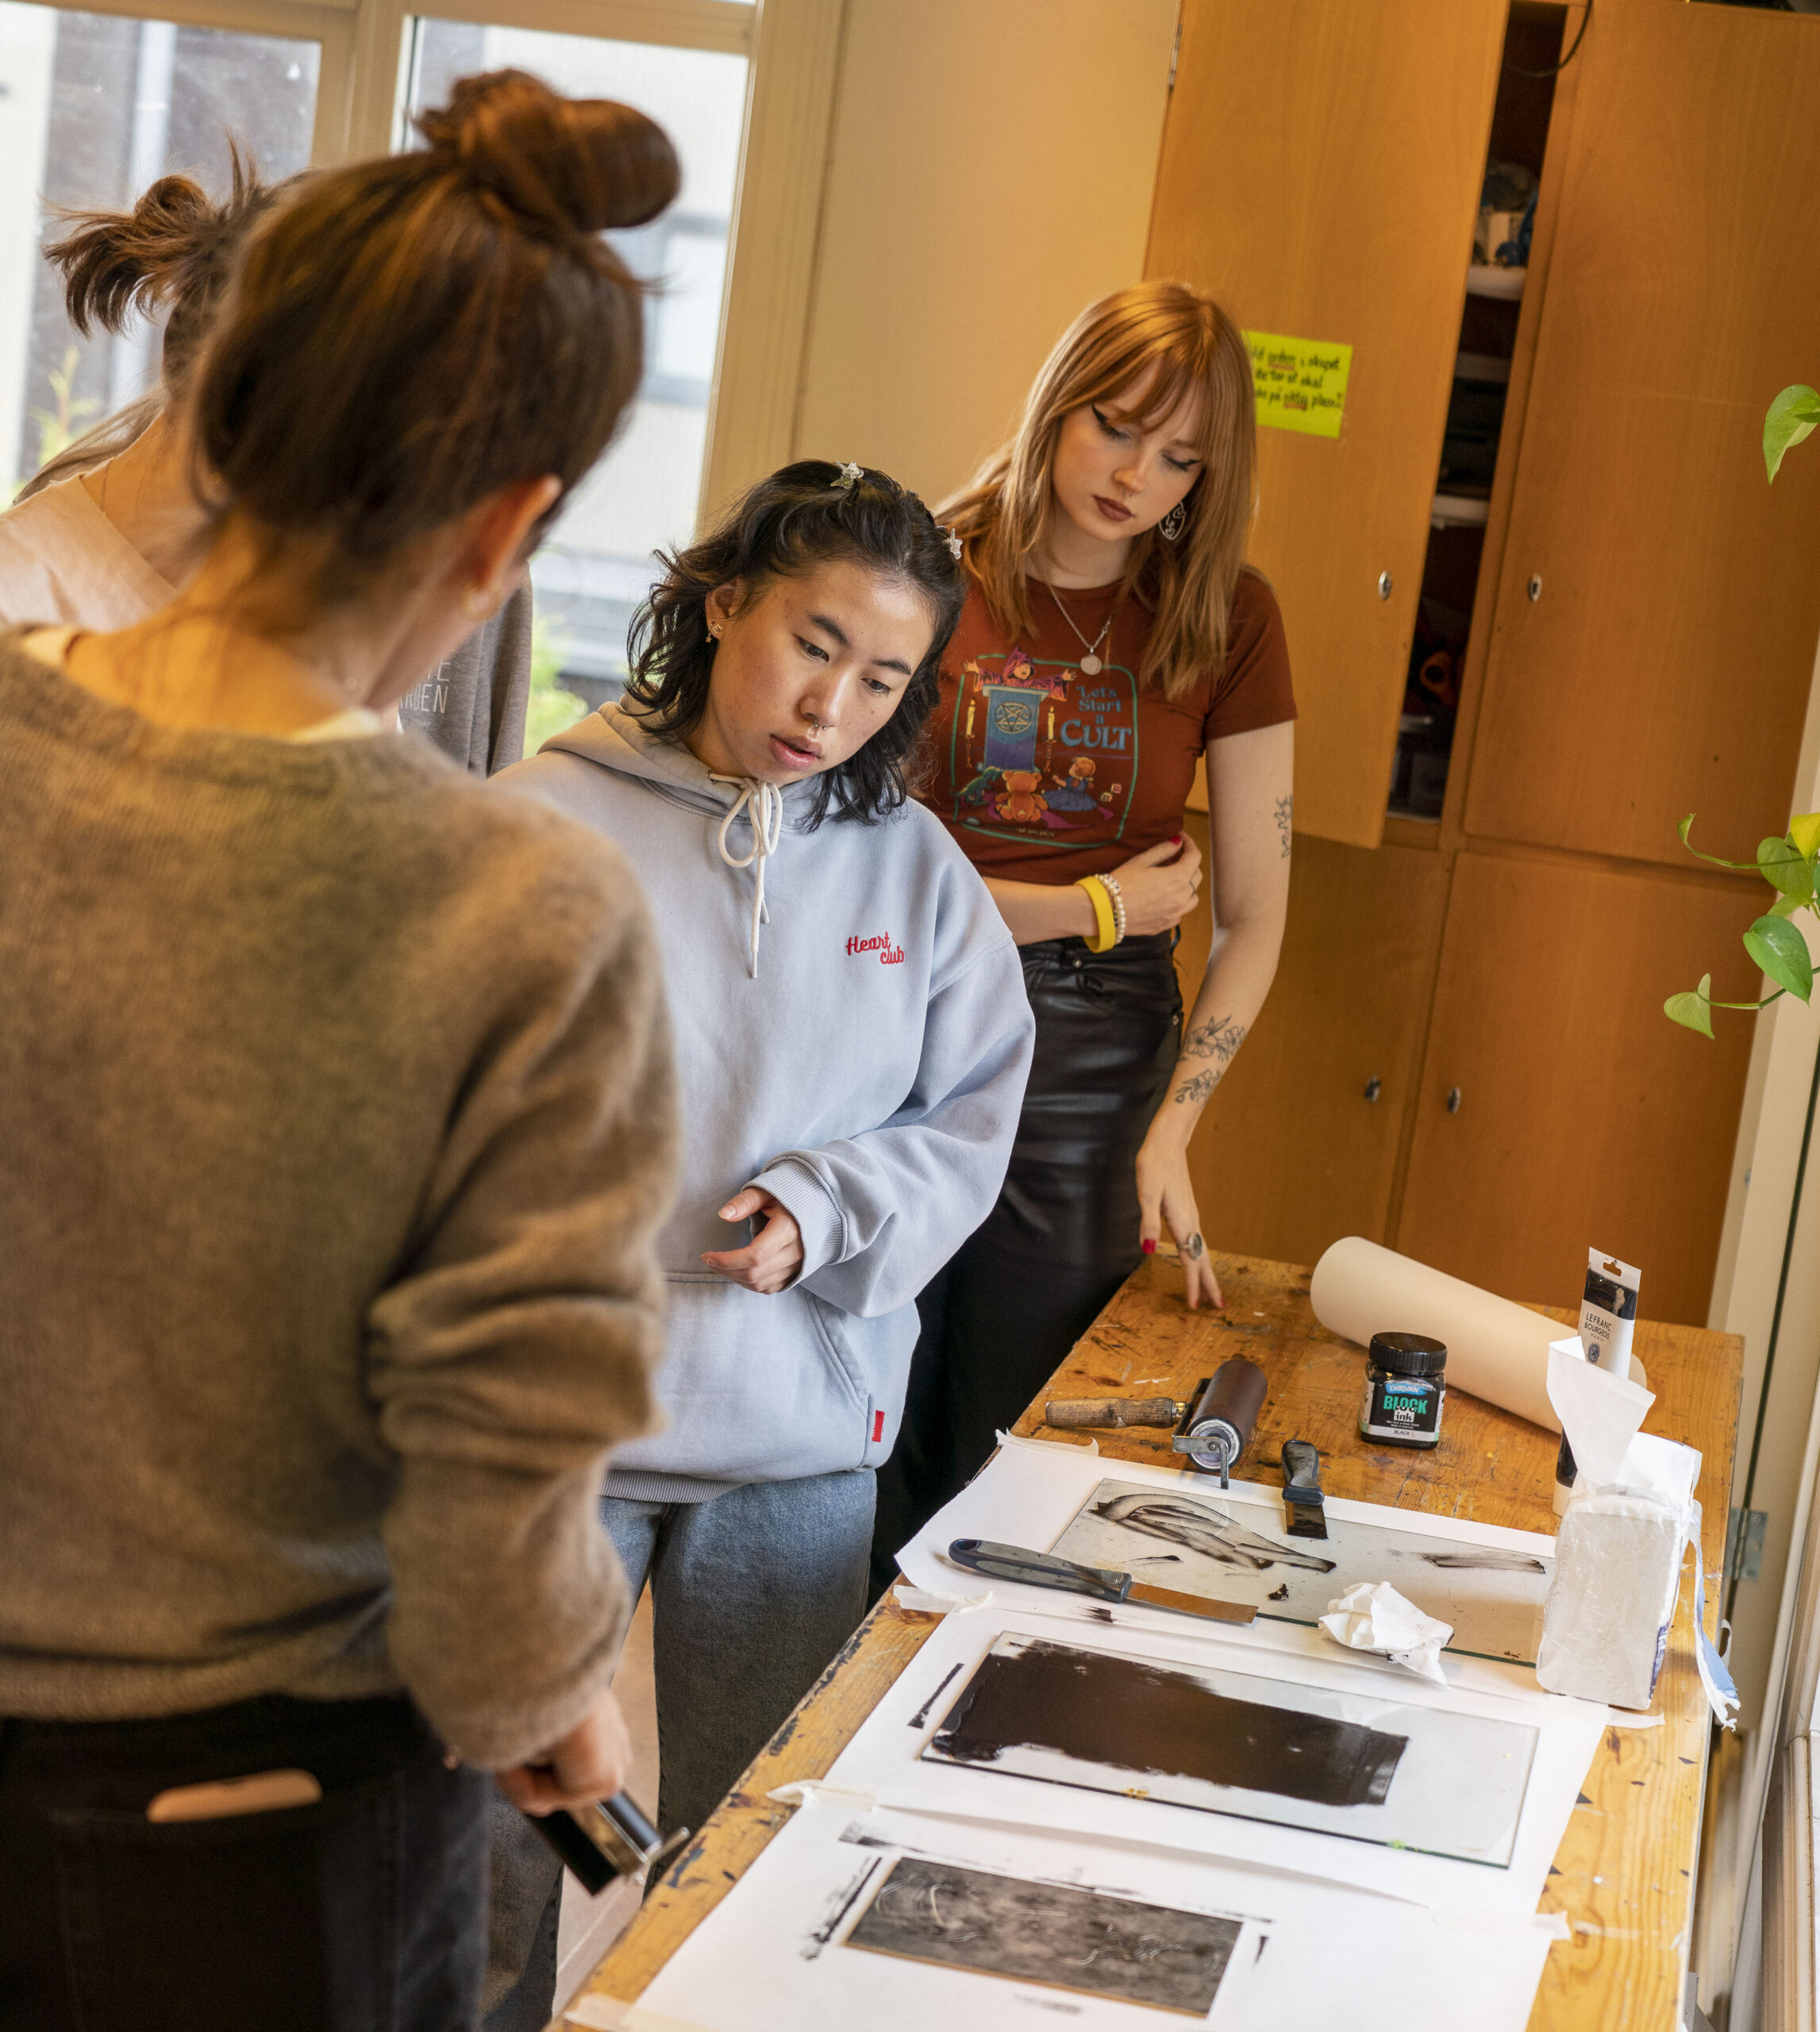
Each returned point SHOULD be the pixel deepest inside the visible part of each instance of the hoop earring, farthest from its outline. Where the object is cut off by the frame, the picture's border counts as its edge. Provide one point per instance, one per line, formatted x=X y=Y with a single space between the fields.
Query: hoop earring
x=1172 y=524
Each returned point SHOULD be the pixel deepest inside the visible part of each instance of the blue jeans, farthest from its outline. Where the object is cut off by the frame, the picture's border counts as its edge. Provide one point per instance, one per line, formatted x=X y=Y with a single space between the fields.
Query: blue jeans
x=752 y=1594
x=362 y=1910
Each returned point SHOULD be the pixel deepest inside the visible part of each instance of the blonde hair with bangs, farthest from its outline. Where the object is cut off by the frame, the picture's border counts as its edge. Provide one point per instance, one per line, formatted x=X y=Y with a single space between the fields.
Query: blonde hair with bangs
x=1188 y=585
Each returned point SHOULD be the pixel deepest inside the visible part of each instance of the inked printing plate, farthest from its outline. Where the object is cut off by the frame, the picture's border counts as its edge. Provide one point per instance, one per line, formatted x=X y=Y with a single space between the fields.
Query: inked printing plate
x=1261 y=1749
x=1239 y=1551
x=1057 y=1935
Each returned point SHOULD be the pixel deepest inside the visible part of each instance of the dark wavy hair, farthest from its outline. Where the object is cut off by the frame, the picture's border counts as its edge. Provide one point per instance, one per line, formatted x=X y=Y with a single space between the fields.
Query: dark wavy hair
x=781 y=528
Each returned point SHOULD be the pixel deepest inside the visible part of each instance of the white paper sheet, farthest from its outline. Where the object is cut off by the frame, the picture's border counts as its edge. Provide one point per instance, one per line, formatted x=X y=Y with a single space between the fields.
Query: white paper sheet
x=886 y=1756
x=778 y=1954
x=1031 y=1492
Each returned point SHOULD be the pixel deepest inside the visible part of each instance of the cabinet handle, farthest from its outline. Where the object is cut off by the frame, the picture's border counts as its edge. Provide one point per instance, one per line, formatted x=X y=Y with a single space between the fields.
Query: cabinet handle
x=1374 y=1087
x=1535 y=586
x=1453 y=1100
x=1384 y=585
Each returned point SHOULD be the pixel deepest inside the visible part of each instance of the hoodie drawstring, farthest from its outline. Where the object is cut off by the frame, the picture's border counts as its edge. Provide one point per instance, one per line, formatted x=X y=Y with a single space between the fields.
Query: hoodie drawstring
x=762 y=804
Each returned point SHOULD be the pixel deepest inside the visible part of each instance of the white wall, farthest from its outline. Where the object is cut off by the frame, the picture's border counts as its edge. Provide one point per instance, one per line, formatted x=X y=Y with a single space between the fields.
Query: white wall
x=988 y=175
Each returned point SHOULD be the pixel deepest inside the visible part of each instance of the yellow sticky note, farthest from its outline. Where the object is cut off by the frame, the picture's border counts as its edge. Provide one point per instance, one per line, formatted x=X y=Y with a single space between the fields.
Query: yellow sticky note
x=1301 y=383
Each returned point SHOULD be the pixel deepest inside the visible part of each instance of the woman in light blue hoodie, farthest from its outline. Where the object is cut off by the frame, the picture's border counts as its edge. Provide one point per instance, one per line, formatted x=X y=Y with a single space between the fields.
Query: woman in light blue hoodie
x=852 y=1036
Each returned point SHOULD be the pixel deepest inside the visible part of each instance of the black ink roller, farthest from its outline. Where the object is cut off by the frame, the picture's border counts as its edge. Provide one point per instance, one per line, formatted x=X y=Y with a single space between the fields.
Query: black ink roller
x=1216 y=1428
x=604 y=1842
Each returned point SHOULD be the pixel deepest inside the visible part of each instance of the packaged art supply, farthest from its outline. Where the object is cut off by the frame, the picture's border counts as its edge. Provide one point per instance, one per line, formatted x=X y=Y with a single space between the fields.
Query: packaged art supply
x=1607 y=1320
x=1405 y=1389
x=1619 y=1552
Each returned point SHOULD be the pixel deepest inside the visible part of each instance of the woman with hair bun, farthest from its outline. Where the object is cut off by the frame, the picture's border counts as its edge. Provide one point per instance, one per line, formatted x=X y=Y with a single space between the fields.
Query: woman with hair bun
x=336 y=1099
x=1114 y=638
x=106 y=531
x=851 y=1042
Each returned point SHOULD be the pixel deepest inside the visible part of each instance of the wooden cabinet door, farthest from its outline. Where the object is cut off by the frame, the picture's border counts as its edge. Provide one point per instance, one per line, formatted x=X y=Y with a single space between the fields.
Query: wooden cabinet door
x=1320 y=176
x=1290 y=1153
x=1586 y=1119
x=1663 y=665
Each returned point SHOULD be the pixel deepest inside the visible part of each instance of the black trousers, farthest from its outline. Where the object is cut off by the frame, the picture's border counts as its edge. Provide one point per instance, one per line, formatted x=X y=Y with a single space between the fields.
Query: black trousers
x=1000 y=1318
x=365 y=1912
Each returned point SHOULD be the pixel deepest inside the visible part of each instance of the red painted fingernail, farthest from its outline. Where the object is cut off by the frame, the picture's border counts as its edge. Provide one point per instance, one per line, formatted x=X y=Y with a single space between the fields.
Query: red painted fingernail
x=1149 y=1248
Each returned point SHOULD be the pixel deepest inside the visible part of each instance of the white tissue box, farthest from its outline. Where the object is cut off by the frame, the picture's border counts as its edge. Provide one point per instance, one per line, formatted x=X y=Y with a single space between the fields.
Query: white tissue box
x=1618 y=1576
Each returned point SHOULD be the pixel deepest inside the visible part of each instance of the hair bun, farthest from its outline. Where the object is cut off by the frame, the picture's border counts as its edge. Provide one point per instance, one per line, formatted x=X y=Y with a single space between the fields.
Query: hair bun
x=585 y=165
x=116 y=262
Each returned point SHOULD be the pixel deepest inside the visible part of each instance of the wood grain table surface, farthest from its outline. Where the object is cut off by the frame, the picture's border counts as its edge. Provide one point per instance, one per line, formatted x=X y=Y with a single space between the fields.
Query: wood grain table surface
x=1624 y=1874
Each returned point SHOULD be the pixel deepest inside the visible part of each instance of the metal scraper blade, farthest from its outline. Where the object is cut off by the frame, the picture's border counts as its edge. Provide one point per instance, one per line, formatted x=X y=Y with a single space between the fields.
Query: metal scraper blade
x=1302 y=1494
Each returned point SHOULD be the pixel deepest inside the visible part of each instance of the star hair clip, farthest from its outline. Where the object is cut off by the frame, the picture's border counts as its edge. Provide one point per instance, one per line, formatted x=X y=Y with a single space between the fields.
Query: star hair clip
x=847 y=475
x=953 y=540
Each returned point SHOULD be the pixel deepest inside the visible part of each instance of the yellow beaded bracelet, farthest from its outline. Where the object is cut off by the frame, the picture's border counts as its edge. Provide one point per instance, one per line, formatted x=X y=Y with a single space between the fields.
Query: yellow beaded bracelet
x=1105 y=927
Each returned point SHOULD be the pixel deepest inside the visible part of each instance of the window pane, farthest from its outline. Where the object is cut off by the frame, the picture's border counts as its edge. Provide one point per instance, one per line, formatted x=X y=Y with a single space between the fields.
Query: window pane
x=93 y=108
x=597 y=565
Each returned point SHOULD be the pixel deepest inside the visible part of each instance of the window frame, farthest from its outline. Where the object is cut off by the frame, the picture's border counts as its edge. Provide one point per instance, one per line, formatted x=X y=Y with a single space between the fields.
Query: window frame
x=792 y=48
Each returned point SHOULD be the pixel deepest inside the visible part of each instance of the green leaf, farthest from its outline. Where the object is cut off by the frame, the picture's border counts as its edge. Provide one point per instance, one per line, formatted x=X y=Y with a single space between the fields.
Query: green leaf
x=1791 y=418
x=1786 y=906
x=1805 y=832
x=1783 y=868
x=1712 y=861
x=1781 y=952
x=1694 y=1011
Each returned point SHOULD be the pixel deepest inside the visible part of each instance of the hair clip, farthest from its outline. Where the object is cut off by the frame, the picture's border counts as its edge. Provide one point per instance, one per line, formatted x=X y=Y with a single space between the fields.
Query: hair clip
x=951 y=540
x=849 y=473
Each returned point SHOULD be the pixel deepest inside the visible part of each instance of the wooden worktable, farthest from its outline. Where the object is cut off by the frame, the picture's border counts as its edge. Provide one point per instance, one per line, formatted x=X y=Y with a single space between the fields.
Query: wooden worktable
x=1624 y=1873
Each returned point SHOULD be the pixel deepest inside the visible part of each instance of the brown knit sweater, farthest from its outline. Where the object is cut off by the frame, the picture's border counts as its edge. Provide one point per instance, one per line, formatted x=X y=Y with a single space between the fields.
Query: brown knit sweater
x=336 y=1121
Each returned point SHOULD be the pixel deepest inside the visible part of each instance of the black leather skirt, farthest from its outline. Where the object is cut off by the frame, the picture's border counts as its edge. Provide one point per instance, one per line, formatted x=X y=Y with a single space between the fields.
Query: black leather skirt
x=1026 y=1284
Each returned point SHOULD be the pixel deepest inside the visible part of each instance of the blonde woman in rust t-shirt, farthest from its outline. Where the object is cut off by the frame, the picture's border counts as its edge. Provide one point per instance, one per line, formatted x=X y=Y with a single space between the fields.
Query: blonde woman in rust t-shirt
x=1113 y=637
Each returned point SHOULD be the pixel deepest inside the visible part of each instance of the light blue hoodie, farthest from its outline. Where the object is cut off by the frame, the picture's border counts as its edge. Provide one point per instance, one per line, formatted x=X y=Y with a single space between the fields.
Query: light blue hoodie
x=859 y=1049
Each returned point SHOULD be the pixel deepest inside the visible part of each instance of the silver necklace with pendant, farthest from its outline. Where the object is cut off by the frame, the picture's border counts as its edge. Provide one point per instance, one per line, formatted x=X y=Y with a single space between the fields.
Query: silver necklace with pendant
x=1090 y=665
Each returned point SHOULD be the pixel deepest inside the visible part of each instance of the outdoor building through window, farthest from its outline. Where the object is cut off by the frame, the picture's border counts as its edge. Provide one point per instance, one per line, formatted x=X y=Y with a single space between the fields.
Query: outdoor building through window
x=93 y=108
x=597 y=566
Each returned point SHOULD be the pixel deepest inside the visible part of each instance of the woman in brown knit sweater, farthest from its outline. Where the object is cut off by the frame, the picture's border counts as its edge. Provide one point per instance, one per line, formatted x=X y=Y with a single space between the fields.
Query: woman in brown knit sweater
x=336 y=1099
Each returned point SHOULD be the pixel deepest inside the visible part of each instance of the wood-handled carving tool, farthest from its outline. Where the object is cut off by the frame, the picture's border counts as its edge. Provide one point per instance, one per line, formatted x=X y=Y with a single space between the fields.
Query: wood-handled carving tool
x=1065 y=1411
x=1213 y=1427
x=602 y=1843
x=1102 y=1583
x=1302 y=1491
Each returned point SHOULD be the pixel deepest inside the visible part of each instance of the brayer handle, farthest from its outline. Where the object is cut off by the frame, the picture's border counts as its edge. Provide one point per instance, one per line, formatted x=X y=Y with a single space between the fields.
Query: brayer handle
x=1111 y=1411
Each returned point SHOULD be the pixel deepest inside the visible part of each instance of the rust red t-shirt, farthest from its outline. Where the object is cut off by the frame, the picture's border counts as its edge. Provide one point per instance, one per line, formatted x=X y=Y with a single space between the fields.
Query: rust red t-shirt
x=1045 y=774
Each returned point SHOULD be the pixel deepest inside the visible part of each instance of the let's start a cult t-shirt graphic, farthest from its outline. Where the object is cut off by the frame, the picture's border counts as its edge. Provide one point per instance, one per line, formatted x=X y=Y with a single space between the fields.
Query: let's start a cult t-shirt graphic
x=1040 y=750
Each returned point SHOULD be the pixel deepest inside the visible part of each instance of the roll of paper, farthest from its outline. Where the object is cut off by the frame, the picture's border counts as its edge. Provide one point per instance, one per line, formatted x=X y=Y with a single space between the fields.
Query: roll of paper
x=1495 y=1349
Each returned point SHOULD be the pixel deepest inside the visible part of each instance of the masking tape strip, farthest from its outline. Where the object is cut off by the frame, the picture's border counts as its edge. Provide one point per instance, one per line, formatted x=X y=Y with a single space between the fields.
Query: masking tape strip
x=600 y=2013
x=801 y=1791
x=1470 y=1919
x=932 y=1601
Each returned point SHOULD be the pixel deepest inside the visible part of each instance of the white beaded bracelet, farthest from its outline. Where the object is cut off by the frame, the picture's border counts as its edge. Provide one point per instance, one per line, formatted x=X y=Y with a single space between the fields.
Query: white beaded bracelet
x=1110 y=884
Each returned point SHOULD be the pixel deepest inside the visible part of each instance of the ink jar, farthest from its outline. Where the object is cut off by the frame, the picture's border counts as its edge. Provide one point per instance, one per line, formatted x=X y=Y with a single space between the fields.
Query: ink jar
x=1405 y=1389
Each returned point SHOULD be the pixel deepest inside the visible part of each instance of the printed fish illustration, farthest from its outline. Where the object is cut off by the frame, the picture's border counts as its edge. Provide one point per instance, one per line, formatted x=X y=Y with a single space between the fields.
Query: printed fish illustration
x=1210 y=1532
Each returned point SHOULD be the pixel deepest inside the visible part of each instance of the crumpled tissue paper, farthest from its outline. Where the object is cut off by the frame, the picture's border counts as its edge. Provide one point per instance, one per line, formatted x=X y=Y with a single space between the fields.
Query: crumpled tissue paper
x=1372 y=1616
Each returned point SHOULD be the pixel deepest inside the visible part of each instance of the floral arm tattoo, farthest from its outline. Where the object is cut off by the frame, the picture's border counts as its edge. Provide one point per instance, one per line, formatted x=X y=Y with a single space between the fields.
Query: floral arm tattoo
x=1285 y=811
x=1218 y=1039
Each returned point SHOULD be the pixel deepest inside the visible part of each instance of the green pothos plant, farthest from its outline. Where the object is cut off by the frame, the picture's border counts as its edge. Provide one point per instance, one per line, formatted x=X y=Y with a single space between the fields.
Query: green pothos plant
x=1787 y=864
